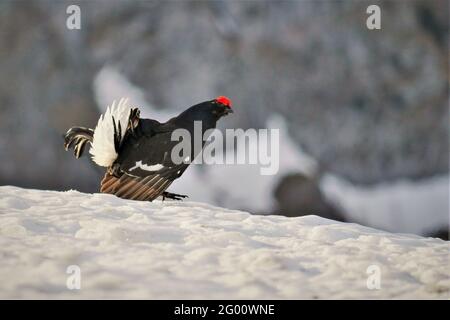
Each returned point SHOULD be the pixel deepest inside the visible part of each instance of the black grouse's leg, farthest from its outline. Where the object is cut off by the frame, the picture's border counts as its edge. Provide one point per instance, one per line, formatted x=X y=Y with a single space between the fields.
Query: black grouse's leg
x=173 y=196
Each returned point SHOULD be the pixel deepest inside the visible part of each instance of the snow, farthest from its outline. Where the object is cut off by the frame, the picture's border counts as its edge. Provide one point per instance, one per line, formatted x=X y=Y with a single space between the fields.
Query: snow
x=159 y=250
x=400 y=206
x=109 y=84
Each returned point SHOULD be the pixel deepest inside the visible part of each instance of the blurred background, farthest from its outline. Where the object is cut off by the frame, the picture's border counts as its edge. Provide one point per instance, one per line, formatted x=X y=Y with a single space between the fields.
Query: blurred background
x=363 y=114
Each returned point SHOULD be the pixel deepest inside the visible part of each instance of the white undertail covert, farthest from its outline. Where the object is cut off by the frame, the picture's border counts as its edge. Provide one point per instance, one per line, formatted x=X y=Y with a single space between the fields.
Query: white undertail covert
x=102 y=149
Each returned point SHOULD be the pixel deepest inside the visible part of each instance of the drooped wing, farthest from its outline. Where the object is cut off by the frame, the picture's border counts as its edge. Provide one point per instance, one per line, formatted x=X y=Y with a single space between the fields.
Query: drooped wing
x=145 y=188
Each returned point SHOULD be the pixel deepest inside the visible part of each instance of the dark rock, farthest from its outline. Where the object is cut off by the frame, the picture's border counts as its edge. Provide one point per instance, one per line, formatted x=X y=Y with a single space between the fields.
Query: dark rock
x=441 y=234
x=298 y=195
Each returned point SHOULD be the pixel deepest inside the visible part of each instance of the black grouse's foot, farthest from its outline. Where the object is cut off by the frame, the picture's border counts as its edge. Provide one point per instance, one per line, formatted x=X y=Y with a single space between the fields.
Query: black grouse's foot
x=173 y=196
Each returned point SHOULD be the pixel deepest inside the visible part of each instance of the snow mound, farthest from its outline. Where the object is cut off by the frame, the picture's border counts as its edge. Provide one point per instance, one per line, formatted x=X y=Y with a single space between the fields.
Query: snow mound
x=172 y=250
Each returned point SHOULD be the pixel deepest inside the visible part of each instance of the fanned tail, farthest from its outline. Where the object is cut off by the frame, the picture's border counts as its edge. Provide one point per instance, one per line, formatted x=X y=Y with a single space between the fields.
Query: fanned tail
x=113 y=126
x=77 y=138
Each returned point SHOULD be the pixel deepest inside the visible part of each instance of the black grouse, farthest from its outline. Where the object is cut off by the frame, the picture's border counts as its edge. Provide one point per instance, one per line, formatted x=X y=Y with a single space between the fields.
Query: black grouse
x=137 y=152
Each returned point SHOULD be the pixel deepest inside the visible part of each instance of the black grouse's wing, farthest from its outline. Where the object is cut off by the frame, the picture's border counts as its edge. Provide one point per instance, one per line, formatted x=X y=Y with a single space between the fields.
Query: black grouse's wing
x=146 y=167
x=146 y=188
x=146 y=154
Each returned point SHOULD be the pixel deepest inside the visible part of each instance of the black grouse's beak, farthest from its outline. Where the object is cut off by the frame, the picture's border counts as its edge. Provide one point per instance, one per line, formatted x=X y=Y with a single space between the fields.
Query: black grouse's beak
x=227 y=111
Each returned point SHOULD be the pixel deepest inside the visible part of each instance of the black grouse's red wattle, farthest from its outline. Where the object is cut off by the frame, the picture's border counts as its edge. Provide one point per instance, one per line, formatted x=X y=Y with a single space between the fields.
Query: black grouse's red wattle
x=137 y=152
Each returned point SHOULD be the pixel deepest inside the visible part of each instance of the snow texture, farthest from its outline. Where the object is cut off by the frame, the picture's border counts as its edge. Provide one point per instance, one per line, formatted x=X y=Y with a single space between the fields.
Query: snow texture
x=158 y=250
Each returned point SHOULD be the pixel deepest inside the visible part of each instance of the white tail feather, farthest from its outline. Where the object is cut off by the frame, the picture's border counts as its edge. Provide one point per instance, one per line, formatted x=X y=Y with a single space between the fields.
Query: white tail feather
x=102 y=150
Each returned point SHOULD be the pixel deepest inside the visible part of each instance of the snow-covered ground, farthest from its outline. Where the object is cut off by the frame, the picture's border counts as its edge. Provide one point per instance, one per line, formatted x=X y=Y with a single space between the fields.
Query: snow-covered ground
x=131 y=249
